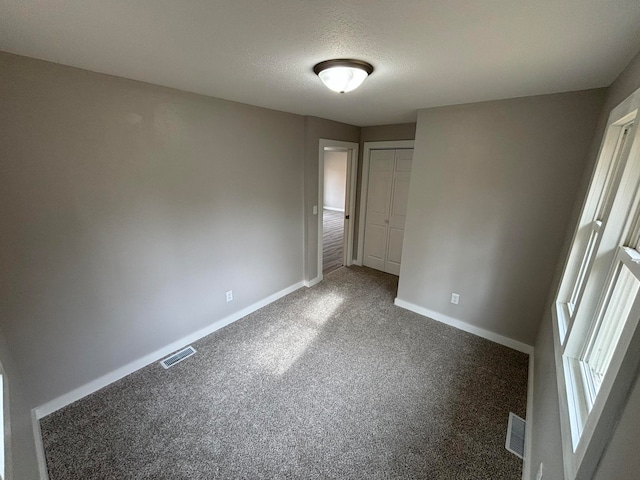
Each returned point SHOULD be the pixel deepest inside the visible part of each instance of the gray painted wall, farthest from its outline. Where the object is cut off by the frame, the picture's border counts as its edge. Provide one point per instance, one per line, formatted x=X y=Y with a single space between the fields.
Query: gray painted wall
x=492 y=187
x=127 y=212
x=315 y=129
x=335 y=179
x=619 y=461
x=381 y=133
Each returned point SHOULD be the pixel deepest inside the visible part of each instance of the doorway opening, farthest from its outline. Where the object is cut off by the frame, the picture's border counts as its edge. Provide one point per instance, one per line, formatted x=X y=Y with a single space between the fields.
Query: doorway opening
x=333 y=208
x=336 y=202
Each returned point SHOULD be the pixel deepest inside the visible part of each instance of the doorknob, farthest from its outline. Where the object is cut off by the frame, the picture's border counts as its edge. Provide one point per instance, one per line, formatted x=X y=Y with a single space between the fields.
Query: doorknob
x=346 y=217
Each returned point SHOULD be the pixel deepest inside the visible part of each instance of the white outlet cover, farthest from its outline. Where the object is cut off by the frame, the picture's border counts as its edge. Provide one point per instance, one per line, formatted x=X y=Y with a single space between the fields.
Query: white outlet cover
x=229 y=295
x=455 y=298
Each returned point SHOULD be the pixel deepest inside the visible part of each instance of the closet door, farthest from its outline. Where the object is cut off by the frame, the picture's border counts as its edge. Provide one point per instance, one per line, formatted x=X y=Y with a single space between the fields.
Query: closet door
x=387 y=194
x=381 y=165
x=398 y=209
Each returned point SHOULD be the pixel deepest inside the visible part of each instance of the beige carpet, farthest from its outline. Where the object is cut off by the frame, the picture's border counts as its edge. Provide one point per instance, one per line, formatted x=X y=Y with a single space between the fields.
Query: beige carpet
x=332 y=382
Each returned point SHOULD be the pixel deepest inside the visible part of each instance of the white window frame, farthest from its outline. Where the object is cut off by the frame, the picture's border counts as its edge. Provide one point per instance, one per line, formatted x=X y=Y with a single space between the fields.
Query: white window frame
x=609 y=222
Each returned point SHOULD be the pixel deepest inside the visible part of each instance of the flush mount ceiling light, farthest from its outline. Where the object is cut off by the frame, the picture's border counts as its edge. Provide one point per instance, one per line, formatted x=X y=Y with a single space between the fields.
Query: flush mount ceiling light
x=343 y=75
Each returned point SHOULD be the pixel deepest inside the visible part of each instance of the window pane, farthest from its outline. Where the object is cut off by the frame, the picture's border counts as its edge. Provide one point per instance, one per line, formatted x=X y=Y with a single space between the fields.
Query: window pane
x=613 y=316
x=633 y=238
x=584 y=264
x=615 y=168
x=589 y=235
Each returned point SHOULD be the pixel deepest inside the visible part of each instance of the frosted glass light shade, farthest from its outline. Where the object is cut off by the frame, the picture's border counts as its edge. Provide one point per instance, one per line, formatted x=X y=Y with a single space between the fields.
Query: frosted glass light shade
x=343 y=75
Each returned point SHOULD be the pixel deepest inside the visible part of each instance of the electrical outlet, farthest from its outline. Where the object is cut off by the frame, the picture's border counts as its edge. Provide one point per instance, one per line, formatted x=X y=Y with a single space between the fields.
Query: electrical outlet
x=455 y=298
x=229 y=295
x=540 y=472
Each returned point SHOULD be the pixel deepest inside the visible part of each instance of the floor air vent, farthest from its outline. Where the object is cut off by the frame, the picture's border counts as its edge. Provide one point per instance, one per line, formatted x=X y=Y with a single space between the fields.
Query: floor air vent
x=515 y=435
x=177 y=357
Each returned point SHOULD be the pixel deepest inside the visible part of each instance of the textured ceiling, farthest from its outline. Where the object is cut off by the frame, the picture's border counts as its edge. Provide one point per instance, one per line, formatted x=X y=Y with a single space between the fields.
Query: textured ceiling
x=426 y=53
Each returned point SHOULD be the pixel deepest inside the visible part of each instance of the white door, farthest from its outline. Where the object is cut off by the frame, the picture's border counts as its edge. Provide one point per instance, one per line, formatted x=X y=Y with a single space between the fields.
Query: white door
x=381 y=164
x=387 y=194
x=398 y=209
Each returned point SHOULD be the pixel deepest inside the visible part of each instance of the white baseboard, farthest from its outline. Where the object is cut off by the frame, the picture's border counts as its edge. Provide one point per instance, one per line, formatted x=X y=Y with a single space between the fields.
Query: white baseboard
x=459 y=324
x=95 y=385
x=333 y=209
x=528 y=432
x=315 y=281
x=37 y=437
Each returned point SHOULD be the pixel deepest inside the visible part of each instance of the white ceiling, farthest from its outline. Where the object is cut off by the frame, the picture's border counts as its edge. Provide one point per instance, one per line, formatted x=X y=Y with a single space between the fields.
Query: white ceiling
x=425 y=52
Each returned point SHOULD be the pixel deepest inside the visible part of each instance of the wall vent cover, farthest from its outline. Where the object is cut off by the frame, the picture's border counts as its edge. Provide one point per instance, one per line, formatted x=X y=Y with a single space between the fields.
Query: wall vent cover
x=177 y=357
x=515 y=435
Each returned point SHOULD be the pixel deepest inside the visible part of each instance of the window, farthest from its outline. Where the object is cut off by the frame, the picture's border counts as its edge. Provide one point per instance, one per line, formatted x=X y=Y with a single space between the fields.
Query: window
x=604 y=185
x=598 y=303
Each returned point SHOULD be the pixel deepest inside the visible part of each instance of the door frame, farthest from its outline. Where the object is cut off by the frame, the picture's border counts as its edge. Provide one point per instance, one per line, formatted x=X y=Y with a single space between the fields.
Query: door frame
x=350 y=200
x=364 y=186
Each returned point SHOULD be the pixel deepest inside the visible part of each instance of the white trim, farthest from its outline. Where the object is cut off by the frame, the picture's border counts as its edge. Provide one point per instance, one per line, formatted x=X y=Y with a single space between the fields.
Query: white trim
x=460 y=325
x=352 y=180
x=352 y=173
x=565 y=424
x=6 y=422
x=95 y=385
x=364 y=186
x=333 y=209
x=37 y=438
x=528 y=433
x=311 y=283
